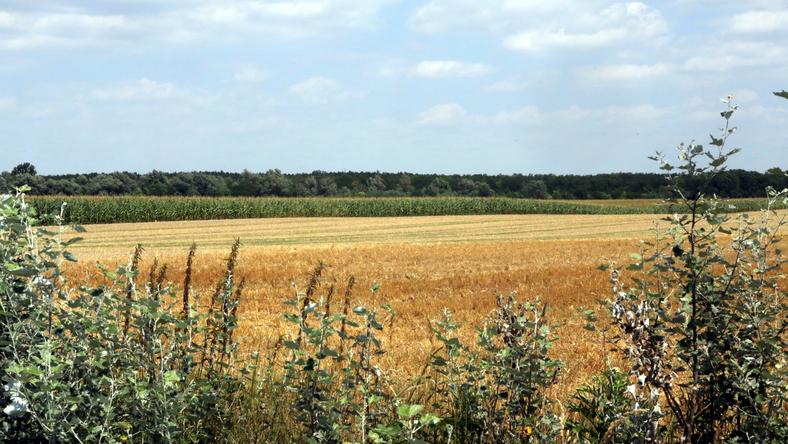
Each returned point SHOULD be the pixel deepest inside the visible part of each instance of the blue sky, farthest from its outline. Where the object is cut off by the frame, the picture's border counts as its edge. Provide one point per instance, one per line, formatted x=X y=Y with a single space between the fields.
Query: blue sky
x=451 y=86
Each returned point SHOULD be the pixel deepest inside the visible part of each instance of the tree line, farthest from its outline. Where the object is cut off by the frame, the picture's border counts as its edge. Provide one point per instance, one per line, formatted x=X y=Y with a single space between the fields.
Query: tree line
x=731 y=183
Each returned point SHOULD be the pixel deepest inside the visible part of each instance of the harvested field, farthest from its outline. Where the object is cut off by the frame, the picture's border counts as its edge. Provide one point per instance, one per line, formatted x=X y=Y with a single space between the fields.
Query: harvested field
x=424 y=264
x=327 y=231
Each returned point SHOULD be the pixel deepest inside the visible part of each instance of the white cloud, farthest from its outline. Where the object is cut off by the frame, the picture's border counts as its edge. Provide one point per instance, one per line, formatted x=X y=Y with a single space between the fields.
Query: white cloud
x=487 y=15
x=760 y=21
x=65 y=23
x=629 y=71
x=292 y=8
x=444 y=114
x=617 y=23
x=319 y=90
x=250 y=74
x=136 y=90
x=449 y=68
x=25 y=30
x=539 y=40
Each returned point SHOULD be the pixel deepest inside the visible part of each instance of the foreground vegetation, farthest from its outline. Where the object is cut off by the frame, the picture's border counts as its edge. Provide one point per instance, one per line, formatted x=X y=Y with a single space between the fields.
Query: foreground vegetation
x=699 y=325
x=93 y=210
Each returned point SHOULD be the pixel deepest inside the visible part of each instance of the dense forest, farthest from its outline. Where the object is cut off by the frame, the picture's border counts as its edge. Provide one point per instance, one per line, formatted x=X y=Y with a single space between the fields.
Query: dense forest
x=732 y=183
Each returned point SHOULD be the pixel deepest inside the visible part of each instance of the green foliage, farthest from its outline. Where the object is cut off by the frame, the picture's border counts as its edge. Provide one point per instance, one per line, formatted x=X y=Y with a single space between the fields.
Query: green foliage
x=606 y=411
x=702 y=319
x=734 y=183
x=331 y=372
x=112 y=363
x=497 y=392
x=24 y=168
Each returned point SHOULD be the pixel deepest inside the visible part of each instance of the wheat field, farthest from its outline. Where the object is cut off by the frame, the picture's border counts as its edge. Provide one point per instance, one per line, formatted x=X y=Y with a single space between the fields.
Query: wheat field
x=423 y=265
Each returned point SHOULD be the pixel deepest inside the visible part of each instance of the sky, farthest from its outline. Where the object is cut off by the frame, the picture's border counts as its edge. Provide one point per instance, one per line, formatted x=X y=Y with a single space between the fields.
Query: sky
x=436 y=86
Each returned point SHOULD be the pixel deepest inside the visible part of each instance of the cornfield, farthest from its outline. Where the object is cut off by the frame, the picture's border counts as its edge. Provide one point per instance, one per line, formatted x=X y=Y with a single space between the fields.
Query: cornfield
x=92 y=210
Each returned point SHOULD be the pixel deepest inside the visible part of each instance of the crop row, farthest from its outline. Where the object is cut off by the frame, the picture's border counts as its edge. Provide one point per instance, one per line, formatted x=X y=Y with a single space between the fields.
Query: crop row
x=88 y=210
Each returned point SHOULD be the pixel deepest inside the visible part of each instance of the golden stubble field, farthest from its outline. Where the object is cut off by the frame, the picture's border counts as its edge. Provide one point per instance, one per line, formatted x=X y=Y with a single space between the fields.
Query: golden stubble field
x=423 y=264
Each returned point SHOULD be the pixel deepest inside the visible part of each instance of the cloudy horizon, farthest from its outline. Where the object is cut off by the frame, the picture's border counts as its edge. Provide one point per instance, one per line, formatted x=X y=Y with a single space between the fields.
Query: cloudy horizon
x=438 y=86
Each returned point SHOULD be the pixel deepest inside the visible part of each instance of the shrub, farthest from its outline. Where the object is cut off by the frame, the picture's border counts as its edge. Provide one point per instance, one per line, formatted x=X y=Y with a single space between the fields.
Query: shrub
x=702 y=319
x=116 y=362
x=497 y=392
x=602 y=410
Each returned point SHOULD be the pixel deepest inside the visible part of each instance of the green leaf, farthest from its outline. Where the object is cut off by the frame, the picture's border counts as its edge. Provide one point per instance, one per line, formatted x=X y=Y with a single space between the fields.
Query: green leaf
x=171 y=376
x=783 y=94
x=409 y=410
x=25 y=272
x=73 y=241
x=292 y=345
x=429 y=419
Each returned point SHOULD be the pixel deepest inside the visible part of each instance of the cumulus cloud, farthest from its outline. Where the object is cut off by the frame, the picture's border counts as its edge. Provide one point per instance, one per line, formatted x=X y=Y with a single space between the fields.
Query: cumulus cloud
x=615 y=24
x=450 y=68
x=134 y=90
x=629 y=71
x=488 y=15
x=760 y=21
x=74 y=23
x=444 y=114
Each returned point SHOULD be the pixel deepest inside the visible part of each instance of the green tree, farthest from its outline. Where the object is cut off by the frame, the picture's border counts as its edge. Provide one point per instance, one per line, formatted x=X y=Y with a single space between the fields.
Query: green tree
x=275 y=183
x=376 y=184
x=534 y=189
x=24 y=168
x=438 y=187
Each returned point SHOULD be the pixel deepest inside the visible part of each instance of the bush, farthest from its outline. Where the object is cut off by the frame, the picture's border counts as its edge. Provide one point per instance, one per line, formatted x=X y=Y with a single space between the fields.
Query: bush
x=497 y=392
x=702 y=320
x=112 y=363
